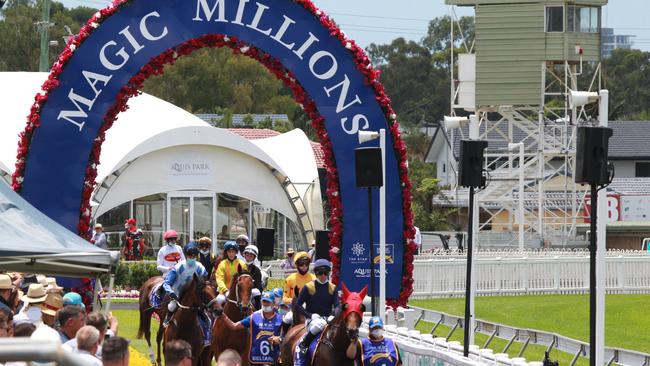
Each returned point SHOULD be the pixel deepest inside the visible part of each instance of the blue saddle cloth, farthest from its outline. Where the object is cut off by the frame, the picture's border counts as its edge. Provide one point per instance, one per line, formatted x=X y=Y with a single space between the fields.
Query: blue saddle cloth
x=154 y=299
x=305 y=360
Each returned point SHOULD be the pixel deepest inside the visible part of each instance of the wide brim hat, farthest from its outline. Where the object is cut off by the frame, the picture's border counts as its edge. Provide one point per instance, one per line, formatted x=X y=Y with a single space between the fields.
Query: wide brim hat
x=53 y=302
x=35 y=293
x=5 y=282
x=52 y=285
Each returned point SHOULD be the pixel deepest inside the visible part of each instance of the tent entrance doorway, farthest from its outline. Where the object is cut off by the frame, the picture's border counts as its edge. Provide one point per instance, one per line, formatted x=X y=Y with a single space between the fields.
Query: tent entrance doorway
x=192 y=215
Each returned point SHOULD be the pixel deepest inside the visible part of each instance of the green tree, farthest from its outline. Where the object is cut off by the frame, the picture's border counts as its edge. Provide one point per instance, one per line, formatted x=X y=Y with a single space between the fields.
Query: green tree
x=627 y=76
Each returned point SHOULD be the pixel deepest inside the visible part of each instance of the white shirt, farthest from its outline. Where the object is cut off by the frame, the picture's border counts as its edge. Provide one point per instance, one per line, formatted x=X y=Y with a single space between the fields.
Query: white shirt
x=88 y=359
x=168 y=257
x=418 y=237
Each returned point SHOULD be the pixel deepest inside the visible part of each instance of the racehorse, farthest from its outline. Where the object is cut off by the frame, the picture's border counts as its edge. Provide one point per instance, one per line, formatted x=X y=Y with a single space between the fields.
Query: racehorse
x=147 y=310
x=198 y=295
x=336 y=336
x=238 y=305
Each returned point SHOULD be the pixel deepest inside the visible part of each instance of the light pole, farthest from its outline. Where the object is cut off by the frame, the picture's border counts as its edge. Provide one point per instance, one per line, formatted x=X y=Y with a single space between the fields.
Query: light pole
x=520 y=210
x=365 y=136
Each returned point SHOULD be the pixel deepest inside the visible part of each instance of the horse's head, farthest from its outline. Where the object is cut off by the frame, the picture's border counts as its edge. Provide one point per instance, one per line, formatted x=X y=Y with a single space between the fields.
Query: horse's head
x=241 y=288
x=207 y=293
x=352 y=309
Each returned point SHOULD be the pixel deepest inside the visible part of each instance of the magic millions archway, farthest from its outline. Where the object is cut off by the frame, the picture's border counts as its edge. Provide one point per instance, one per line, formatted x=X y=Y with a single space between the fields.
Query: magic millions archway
x=122 y=45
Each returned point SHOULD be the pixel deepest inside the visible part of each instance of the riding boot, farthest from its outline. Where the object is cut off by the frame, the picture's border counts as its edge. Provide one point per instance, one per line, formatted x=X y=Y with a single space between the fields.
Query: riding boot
x=168 y=319
x=306 y=341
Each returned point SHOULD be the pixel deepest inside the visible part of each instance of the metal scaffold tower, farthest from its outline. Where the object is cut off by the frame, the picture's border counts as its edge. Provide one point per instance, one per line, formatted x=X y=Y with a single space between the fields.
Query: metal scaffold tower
x=515 y=79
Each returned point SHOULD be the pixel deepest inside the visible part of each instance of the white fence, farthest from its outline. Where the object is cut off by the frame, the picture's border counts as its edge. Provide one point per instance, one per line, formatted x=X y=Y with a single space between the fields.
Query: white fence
x=445 y=276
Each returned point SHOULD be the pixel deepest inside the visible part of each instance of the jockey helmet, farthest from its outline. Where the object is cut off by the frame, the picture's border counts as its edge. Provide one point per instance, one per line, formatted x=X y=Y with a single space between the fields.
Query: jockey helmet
x=375 y=322
x=170 y=234
x=277 y=292
x=322 y=263
x=230 y=245
x=191 y=248
x=252 y=249
x=301 y=255
x=205 y=241
x=243 y=237
x=267 y=296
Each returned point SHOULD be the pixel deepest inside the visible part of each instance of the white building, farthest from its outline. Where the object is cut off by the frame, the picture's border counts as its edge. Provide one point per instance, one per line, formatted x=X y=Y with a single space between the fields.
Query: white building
x=169 y=169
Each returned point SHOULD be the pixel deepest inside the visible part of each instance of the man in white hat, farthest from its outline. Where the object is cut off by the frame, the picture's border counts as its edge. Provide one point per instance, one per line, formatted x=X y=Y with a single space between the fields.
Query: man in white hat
x=33 y=299
x=6 y=289
x=99 y=237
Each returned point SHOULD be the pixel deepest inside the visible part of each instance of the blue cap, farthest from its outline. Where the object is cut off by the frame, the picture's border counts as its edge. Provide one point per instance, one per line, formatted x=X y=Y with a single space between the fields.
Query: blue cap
x=230 y=244
x=72 y=298
x=267 y=296
x=191 y=248
x=277 y=292
x=375 y=322
x=322 y=263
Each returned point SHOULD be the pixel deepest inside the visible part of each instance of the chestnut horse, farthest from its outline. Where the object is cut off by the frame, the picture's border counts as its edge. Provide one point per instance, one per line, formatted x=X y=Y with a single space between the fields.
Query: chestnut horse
x=336 y=336
x=238 y=305
x=199 y=295
x=147 y=310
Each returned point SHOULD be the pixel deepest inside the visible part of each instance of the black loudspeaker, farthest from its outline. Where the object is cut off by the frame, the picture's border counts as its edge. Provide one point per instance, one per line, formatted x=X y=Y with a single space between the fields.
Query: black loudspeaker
x=591 y=155
x=323 y=244
x=265 y=242
x=471 y=163
x=368 y=167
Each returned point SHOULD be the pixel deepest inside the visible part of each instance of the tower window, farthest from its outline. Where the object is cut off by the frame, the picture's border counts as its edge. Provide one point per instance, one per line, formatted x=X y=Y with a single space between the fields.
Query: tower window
x=555 y=19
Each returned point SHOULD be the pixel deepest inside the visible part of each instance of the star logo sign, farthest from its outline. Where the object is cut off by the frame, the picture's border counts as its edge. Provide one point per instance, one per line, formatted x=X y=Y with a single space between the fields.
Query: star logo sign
x=358 y=249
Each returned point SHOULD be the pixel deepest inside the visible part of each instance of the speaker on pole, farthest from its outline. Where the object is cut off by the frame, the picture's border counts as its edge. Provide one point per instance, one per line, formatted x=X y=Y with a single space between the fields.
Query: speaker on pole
x=322 y=244
x=265 y=242
x=471 y=163
x=368 y=167
x=591 y=155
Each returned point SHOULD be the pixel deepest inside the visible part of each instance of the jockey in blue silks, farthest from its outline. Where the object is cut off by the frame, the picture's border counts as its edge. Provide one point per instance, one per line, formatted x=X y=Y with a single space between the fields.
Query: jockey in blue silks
x=376 y=350
x=265 y=327
x=177 y=280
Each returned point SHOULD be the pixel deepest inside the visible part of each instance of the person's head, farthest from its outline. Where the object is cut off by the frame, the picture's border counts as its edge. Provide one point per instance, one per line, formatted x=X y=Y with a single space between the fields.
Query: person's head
x=242 y=241
x=71 y=318
x=229 y=357
x=322 y=269
x=5 y=326
x=24 y=329
x=6 y=286
x=205 y=244
x=278 y=293
x=52 y=286
x=191 y=251
x=115 y=352
x=35 y=295
x=376 y=326
x=88 y=339
x=170 y=236
x=224 y=229
x=178 y=353
x=53 y=302
x=302 y=262
x=283 y=307
x=250 y=254
x=72 y=298
x=268 y=302
x=131 y=223
x=231 y=250
x=99 y=228
x=290 y=253
x=100 y=322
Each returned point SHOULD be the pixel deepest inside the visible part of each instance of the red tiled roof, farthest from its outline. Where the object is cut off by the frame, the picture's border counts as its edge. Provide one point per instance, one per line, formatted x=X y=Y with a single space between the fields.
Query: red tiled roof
x=262 y=133
x=254 y=133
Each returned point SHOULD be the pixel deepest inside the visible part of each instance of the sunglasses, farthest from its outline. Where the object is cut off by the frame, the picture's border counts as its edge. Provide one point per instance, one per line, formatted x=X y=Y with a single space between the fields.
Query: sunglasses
x=322 y=272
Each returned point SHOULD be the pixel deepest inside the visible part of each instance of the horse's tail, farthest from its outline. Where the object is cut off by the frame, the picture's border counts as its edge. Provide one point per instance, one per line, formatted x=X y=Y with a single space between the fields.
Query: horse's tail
x=144 y=307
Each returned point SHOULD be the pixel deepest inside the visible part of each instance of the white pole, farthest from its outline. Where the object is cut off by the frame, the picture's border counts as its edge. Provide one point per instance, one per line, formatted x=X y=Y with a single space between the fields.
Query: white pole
x=601 y=229
x=520 y=214
x=382 y=228
x=473 y=127
x=109 y=294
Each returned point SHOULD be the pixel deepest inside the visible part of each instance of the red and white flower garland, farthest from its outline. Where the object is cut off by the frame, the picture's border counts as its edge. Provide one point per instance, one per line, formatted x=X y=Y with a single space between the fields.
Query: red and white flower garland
x=156 y=67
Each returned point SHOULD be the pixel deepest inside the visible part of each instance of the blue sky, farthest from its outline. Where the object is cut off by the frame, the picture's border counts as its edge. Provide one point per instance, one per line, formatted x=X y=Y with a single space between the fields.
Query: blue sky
x=380 y=21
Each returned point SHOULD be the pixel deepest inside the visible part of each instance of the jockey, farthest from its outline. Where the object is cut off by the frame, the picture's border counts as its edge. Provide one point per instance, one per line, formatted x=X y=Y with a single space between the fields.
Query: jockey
x=169 y=255
x=320 y=298
x=298 y=279
x=250 y=255
x=180 y=276
x=376 y=350
x=284 y=309
x=265 y=332
x=205 y=254
x=228 y=267
x=277 y=296
x=242 y=242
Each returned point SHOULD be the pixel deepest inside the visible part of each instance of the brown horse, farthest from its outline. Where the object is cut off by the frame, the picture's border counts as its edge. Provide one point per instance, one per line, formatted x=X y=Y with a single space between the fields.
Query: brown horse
x=199 y=295
x=238 y=305
x=146 y=311
x=335 y=338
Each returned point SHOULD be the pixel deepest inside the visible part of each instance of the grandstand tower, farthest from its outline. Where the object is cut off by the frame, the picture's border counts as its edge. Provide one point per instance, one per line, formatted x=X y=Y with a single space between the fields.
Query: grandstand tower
x=516 y=77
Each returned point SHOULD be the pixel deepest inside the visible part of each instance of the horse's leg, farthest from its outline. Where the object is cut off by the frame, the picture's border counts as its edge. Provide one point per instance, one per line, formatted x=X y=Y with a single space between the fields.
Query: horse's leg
x=159 y=338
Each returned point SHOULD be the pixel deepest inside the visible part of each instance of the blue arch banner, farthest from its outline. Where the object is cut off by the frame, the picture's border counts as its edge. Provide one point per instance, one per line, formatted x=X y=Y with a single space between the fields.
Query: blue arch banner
x=140 y=30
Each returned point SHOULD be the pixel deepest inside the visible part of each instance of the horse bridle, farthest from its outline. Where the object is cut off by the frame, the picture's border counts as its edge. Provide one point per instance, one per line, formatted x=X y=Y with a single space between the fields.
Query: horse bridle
x=242 y=309
x=206 y=305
